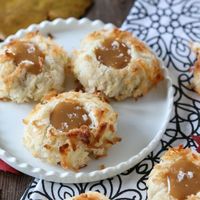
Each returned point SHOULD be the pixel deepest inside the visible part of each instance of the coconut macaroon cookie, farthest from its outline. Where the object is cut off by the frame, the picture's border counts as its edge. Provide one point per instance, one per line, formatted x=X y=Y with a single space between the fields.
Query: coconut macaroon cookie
x=176 y=177
x=30 y=67
x=70 y=129
x=89 y=196
x=117 y=64
x=196 y=79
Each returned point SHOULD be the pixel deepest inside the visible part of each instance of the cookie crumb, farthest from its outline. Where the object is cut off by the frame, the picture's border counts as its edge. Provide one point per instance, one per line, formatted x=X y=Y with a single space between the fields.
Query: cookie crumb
x=50 y=36
x=102 y=166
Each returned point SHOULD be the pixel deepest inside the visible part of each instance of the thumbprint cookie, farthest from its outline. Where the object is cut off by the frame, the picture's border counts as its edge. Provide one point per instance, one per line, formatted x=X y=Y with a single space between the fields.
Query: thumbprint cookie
x=117 y=64
x=196 y=79
x=70 y=129
x=89 y=196
x=176 y=177
x=30 y=67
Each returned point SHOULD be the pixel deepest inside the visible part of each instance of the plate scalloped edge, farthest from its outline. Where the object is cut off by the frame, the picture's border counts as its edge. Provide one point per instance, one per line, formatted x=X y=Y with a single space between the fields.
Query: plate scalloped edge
x=80 y=177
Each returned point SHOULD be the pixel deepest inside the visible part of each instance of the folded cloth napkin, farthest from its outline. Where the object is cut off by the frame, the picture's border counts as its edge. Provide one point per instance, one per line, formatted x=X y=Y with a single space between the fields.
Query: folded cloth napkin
x=168 y=27
x=6 y=168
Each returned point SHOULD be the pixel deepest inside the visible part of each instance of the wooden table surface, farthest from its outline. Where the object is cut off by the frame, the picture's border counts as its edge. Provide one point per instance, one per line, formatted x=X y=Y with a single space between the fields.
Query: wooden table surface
x=115 y=11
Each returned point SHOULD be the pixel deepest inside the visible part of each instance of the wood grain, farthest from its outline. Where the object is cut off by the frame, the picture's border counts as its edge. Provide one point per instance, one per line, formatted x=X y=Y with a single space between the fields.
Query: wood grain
x=13 y=186
x=115 y=11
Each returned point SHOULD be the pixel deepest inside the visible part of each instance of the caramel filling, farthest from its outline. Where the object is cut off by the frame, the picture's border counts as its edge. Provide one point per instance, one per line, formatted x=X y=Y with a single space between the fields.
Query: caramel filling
x=113 y=54
x=26 y=54
x=69 y=115
x=183 y=179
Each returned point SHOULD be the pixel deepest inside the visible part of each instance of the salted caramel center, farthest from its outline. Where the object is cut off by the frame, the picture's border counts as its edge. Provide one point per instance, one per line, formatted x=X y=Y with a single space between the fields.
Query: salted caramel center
x=113 y=53
x=26 y=54
x=69 y=115
x=183 y=179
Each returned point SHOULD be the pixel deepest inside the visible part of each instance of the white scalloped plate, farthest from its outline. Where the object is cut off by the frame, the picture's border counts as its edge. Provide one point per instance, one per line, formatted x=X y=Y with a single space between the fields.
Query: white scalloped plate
x=141 y=123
